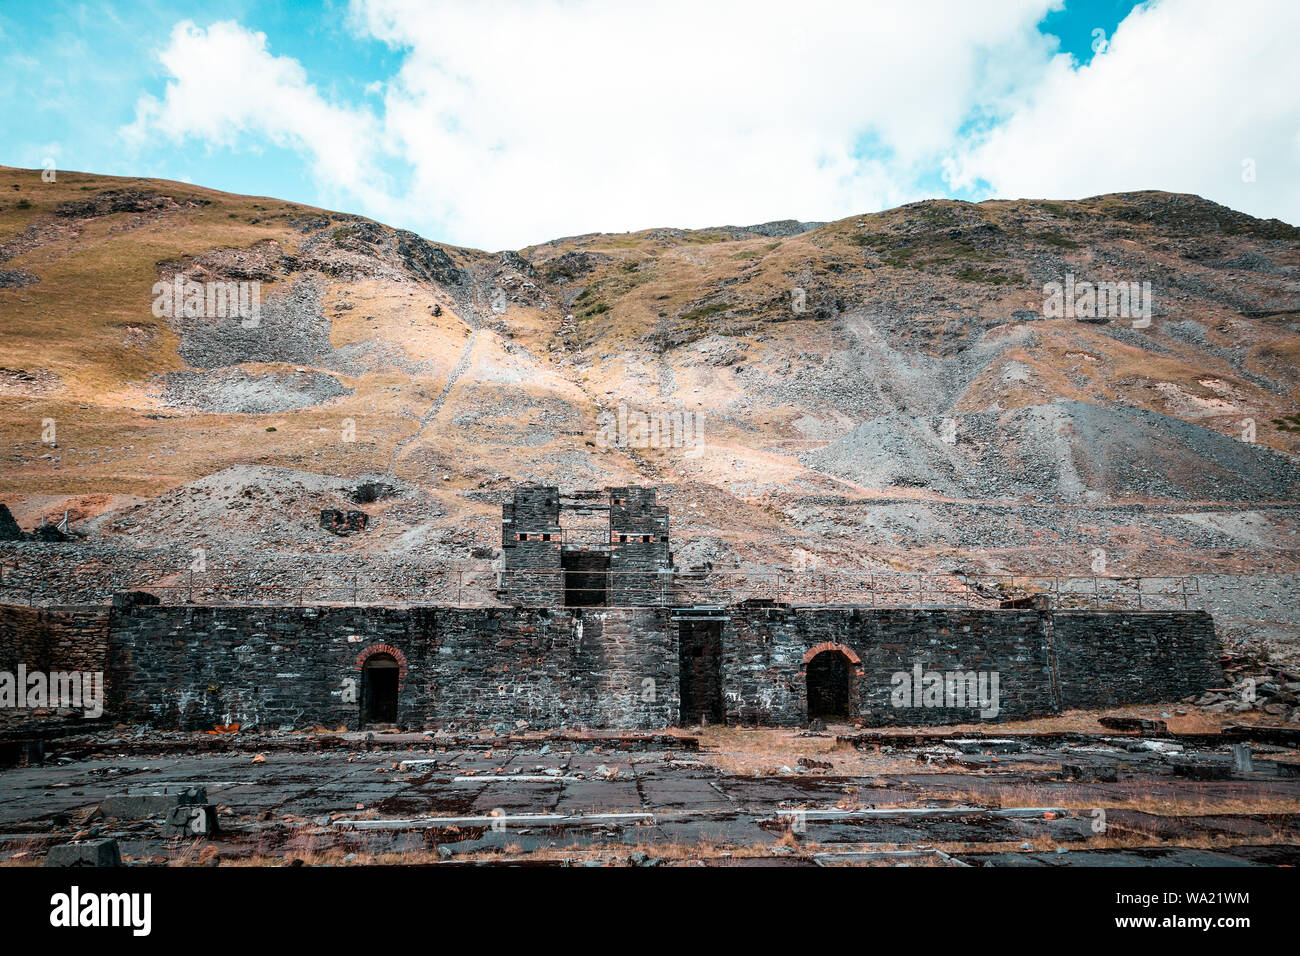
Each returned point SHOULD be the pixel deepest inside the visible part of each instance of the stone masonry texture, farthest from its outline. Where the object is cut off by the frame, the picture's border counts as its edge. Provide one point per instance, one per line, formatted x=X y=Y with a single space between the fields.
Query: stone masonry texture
x=197 y=666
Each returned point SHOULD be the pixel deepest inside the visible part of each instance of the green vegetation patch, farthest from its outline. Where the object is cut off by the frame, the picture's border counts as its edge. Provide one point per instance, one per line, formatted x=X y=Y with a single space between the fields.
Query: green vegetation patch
x=704 y=238
x=1288 y=423
x=925 y=252
x=1055 y=239
x=596 y=299
x=1059 y=210
x=702 y=312
x=1262 y=229
x=592 y=309
x=988 y=276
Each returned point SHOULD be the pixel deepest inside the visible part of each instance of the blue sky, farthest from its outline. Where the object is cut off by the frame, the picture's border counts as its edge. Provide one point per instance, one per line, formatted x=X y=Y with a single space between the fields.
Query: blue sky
x=1073 y=24
x=75 y=71
x=505 y=124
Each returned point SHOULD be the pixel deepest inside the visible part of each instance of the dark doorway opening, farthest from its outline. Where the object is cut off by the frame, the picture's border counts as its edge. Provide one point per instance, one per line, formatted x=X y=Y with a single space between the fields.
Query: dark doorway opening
x=828 y=686
x=586 y=577
x=379 y=679
x=700 y=650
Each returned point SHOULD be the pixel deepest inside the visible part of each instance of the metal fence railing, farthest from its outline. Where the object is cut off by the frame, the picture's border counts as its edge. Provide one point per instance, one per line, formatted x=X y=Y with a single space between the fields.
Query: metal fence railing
x=478 y=587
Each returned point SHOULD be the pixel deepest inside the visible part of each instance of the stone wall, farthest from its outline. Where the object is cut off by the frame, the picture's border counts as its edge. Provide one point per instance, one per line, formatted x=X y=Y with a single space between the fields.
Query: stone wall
x=47 y=639
x=194 y=667
x=256 y=666
x=531 y=539
x=473 y=667
x=1106 y=658
x=600 y=667
x=68 y=640
x=766 y=651
x=639 y=548
x=635 y=549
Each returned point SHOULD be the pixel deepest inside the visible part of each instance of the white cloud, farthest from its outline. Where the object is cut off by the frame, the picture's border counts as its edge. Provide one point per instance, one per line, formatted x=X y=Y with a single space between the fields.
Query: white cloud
x=226 y=89
x=525 y=121
x=1186 y=92
x=519 y=122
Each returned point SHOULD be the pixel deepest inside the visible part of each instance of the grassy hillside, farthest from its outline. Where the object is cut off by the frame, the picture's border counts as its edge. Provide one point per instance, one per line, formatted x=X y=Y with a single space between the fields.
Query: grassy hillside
x=919 y=368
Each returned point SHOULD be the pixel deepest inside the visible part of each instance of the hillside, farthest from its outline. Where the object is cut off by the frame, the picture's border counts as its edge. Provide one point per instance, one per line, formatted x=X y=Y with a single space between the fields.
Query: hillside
x=917 y=411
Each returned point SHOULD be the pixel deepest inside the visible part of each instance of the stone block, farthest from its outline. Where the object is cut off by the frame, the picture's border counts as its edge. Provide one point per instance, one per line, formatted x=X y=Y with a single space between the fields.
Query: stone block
x=192 y=820
x=150 y=804
x=85 y=853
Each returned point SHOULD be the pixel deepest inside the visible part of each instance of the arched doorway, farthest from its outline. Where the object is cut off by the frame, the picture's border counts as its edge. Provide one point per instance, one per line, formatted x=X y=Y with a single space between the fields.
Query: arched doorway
x=828 y=676
x=380 y=679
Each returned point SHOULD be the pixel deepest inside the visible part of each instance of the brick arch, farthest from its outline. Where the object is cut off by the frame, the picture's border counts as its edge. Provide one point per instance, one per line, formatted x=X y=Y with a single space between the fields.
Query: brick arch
x=392 y=652
x=829 y=646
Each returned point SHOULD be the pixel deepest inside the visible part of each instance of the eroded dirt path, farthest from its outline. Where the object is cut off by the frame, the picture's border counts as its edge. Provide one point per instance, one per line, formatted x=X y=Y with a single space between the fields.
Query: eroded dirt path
x=453 y=376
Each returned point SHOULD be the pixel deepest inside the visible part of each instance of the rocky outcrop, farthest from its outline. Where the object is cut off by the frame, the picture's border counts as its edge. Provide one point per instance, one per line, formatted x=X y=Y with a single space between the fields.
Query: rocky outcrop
x=122 y=200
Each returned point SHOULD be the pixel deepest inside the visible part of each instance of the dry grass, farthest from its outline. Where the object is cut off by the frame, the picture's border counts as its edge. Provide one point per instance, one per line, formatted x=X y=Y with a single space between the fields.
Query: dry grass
x=96 y=284
x=765 y=750
x=1179 y=804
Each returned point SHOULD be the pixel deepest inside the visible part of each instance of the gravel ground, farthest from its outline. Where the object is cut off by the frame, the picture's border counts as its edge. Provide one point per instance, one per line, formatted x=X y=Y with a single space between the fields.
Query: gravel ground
x=1068 y=451
x=253 y=508
x=236 y=390
x=292 y=328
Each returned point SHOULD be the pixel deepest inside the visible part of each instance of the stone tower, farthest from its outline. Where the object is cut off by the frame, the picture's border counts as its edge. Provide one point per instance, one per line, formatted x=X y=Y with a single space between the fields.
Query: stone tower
x=531 y=542
x=639 y=549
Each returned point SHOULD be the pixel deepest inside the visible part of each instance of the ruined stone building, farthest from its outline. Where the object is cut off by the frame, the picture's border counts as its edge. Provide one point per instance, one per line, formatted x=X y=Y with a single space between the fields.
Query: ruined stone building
x=592 y=630
x=626 y=565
